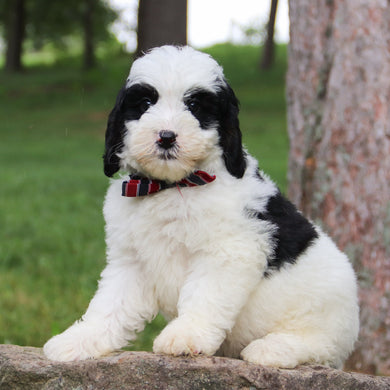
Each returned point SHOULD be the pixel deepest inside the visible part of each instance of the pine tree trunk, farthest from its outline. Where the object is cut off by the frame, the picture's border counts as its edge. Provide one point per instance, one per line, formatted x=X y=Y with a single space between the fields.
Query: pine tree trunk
x=15 y=29
x=338 y=91
x=161 y=23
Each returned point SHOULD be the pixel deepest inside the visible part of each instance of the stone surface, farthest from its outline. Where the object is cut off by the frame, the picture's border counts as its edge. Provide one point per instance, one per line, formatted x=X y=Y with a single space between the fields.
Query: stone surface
x=27 y=368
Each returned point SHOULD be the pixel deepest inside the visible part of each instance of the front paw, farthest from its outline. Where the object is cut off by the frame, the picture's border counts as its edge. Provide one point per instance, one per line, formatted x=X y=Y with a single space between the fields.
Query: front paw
x=182 y=337
x=79 y=342
x=63 y=349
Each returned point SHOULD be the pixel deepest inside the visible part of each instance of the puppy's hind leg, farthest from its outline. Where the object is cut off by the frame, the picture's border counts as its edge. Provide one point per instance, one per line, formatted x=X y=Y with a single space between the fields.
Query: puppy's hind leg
x=288 y=350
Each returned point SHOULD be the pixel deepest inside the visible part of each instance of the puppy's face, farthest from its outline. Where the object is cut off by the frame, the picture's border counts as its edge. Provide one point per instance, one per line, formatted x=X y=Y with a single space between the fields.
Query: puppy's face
x=175 y=114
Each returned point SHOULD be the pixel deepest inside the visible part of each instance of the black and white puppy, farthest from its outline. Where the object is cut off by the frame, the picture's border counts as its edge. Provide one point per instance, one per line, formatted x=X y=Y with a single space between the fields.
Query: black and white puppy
x=200 y=235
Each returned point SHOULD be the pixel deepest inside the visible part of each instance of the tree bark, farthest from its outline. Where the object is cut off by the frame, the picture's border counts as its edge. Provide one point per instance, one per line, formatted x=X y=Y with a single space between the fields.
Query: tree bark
x=15 y=31
x=161 y=23
x=338 y=92
x=268 y=54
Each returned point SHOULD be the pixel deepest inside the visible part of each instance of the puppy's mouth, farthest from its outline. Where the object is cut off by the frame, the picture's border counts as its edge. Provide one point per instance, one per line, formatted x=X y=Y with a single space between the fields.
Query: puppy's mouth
x=166 y=155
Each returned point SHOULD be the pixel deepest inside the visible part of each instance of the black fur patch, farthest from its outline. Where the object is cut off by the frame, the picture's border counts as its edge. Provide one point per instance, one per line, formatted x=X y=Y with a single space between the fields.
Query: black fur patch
x=293 y=234
x=114 y=136
x=130 y=104
x=230 y=137
x=220 y=109
x=137 y=99
x=203 y=106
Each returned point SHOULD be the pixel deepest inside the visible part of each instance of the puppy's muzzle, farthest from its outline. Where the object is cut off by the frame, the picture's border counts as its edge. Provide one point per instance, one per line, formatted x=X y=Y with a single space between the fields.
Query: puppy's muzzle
x=167 y=139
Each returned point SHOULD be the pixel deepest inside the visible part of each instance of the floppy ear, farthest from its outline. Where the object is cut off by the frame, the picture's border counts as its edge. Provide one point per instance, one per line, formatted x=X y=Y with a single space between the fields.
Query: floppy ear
x=230 y=133
x=114 y=136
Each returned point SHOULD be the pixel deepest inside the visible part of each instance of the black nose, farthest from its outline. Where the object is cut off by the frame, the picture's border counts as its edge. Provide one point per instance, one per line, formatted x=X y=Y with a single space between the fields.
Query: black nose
x=167 y=139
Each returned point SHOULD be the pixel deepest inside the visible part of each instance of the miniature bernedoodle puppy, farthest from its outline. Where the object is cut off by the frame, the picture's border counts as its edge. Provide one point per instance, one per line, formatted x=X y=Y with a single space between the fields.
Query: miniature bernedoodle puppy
x=197 y=232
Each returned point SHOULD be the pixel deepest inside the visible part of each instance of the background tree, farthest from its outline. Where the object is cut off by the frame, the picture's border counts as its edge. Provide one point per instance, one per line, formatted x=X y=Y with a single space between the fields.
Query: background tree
x=160 y=23
x=338 y=89
x=13 y=14
x=54 y=21
x=267 y=58
x=88 y=29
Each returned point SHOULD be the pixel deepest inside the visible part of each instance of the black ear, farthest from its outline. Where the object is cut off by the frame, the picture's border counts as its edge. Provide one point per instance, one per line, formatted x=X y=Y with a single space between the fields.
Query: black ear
x=230 y=133
x=114 y=136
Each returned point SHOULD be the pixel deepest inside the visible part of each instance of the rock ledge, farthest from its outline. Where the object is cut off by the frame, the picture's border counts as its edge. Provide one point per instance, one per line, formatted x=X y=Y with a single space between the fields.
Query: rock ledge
x=27 y=368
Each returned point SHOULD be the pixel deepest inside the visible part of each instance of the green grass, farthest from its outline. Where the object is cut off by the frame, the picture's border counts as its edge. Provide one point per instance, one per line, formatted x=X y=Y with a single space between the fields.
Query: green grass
x=52 y=186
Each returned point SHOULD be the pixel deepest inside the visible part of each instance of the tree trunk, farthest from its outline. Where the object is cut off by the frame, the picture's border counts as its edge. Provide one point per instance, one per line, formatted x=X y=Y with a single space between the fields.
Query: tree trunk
x=338 y=89
x=161 y=23
x=15 y=29
x=268 y=53
x=89 y=49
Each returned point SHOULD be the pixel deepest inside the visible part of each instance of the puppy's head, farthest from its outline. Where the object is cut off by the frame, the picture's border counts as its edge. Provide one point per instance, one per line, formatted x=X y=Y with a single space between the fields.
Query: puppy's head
x=175 y=114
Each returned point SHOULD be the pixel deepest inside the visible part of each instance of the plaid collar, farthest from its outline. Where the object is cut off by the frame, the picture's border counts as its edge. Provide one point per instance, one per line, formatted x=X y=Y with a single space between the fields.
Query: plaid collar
x=141 y=186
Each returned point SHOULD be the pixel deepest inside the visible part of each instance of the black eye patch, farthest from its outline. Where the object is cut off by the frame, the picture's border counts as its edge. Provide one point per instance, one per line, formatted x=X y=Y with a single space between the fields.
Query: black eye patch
x=204 y=107
x=137 y=100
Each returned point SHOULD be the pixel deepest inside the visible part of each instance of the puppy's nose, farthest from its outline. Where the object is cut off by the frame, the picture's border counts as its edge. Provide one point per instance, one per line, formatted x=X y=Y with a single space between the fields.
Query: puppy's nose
x=167 y=139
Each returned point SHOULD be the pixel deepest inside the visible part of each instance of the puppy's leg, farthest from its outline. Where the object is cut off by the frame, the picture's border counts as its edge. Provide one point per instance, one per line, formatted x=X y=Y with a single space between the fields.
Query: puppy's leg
x=285 y=350
x=212 y=297
x=119 y=308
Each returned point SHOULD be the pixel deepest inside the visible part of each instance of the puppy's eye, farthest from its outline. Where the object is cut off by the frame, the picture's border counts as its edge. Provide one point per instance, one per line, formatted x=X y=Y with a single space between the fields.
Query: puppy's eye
x=144 y=104
x=193 y=105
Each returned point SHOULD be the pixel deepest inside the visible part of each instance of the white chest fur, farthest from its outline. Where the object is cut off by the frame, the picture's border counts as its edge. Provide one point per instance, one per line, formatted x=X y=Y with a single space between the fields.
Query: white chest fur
x=165 y=233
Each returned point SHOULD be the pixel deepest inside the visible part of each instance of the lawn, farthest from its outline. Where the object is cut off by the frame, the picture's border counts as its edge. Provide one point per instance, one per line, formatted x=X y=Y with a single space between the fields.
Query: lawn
x=52 y=185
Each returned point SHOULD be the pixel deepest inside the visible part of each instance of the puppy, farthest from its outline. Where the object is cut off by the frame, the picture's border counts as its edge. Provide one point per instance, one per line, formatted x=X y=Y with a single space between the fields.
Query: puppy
x=199 y=234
